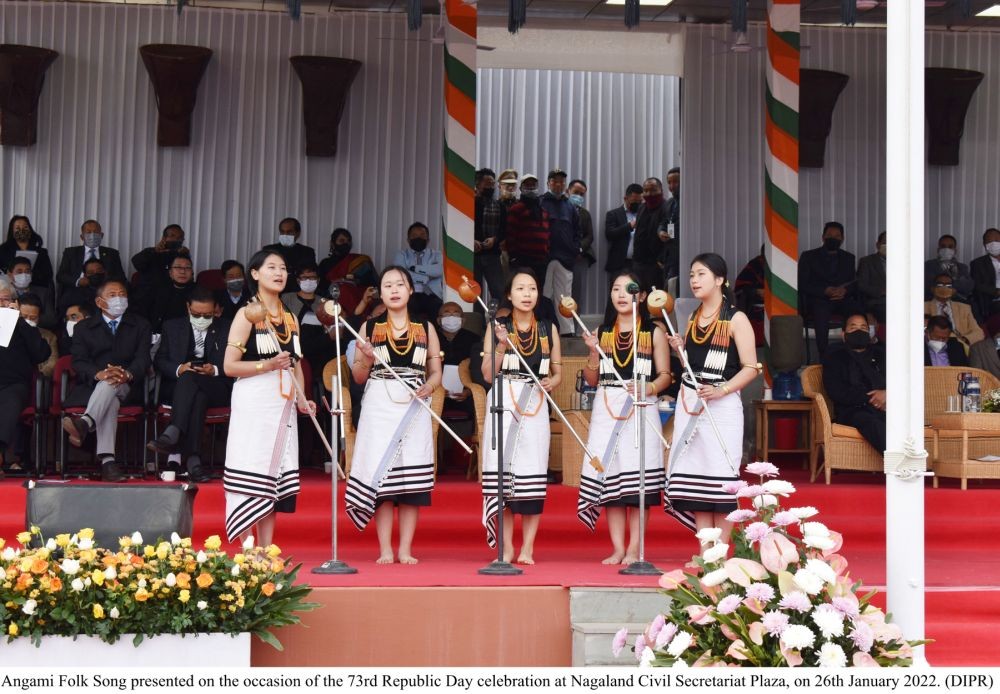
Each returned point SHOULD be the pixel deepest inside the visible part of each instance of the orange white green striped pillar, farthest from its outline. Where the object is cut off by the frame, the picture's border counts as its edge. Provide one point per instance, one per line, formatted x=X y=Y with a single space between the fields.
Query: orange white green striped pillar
x=459 y=143
x=781 y=160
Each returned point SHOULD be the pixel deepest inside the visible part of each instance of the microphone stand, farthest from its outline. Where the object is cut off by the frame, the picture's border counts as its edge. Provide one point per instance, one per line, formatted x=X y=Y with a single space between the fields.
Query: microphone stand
x=334 y=565
x=498 y=567
x=640 y=567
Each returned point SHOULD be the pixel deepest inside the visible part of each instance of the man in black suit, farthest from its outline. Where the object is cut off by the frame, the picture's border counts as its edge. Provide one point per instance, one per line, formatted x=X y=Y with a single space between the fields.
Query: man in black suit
x=189 y=362
x=153 y=264
x=986 y=276
x=942 y=348
x=619 y=230
x=110 y=358
x=296 y=255
x=71 y=272
x=827 y=283
x=170 y=300
x=854 y=378
x=96 y=275
x=651 y=234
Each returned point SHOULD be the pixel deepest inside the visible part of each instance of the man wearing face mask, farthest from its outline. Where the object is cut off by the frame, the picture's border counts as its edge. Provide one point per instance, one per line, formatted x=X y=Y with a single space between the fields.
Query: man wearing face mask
x=651 y=234
x=986 y=276
x=827 y=283
x=31 y=309
x=456 y=345
x=20 y=276
x=153 y=263
x=353 y=273
x=985 y=354
x=95 y=274
x=577 y=190
x=189 y=363
x=491 y=217
x=619 y=230
x=527 y=230
x=959 y=315
x=940 y=348
x=946 y=261
x=71 y=271
x=73 y=314
x=507 y=180
x=564 y=244
x=296 y=255
x=871 y=279
x=23 y=242
x=110 y=358
x=426 y=266
x=854 y=378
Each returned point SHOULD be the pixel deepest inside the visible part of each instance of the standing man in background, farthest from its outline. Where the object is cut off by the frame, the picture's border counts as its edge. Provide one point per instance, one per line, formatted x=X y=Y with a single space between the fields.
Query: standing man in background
x=577 y=190
x=296 y=255
x=564 y=244
x=491 y=217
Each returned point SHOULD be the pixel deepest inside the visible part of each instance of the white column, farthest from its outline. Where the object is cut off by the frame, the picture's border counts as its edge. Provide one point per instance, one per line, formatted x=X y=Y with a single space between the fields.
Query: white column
x=905 y=382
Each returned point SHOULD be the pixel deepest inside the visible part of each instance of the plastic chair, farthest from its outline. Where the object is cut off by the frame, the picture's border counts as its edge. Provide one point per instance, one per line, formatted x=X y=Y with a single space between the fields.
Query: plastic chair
x=212 y=279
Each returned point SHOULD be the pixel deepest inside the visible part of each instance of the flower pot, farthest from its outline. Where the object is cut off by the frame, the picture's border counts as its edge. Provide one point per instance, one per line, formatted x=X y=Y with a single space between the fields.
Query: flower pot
x=166 y=650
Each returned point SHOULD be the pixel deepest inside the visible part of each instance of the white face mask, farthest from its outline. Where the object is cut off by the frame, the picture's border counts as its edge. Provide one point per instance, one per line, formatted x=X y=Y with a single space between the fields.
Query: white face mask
x=936 y=345
x=946 y=254
x=117 y=305
x=993 y=248
x=308 y=286
x=70 y=325
x=92 y=240
x=286 y=240
x=32 y=323
x=200 y=323
x=452 y=324
x=23 y=280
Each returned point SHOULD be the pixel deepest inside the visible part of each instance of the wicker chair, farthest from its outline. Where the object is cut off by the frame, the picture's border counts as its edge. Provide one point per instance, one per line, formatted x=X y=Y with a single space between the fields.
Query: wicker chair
x=476 y=440
x=939 y=383
x=843 y=447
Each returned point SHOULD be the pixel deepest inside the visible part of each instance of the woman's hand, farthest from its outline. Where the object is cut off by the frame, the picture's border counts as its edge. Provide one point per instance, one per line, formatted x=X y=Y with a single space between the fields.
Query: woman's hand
x=547 y=384
x=709 y=393
x=501 y=333
x=367 y=349
x=590 y=339
x=306 y=407
x=630 y=388
x=424 y=391
x=282 y=361
x=677 y=343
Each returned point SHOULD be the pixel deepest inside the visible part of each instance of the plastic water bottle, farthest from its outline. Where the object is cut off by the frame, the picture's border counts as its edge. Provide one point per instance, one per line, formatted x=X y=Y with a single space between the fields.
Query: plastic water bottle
x=963 y=378
x=973 y=399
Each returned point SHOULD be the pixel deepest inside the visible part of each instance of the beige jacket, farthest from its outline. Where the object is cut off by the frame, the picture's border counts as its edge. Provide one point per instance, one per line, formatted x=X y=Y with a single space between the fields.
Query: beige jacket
x=963 y=324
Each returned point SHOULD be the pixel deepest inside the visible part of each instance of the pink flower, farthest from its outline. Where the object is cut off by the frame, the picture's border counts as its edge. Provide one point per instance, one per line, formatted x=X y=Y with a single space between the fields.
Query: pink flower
x=736 y=650
x=729 y=604
x=733 y=487
x=846 y=606
x=796 y=600
x=760 y=591
x=863 y=636
x=783 y=518
x=762 y=468
x=864 y=660
x=757 y=632
x=654 y=628
x=777 y=552
x=699 y=614
x=666 y=634
x=743 y=572
x=755 y=532
x=618 y=644
x=672 y=579
x=775 y=622
x=741 y=515
x=749 y=491
x=640 y=646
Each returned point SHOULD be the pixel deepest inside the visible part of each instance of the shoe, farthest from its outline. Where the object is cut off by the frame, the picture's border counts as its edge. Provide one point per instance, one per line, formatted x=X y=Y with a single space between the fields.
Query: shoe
x=196 y=473
x=111 y=471
x=78 y=429
x=166 y=442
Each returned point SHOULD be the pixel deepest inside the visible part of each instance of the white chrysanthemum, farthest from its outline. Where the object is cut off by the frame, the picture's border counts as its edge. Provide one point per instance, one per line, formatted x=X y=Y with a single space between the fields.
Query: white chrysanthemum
x=803 y=512
x=822 y=569
x=815 y=528
x=830 y=622
x=647 y=657
x=809 y=582
x=779 y=487
x=832 y=655
x=765 y=501
x=679 y=644
x=715 y=553
x=70 y=567
x=818 y=542
x=680 y=663
x=714 y=578
x=709 y=535
x=797 y=637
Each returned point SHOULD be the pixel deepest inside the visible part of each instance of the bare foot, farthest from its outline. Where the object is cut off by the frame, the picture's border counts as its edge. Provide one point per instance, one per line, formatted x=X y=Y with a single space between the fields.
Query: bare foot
x=615 y=558
x=385 y=559
x=630 y=559
x=407 y=559
x=525 y=559
x=508 y=554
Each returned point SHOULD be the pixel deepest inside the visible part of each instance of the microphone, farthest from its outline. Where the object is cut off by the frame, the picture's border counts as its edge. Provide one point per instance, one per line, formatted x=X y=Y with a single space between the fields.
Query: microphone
x=632 y=288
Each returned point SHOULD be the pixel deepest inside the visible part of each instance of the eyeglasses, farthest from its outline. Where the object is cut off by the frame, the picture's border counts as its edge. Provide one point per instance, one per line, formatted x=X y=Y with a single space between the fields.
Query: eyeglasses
x=948 y=286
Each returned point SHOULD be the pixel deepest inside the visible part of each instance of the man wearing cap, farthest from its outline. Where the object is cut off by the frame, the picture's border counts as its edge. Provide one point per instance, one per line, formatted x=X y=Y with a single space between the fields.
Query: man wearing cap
x=490 y=219
x=564 y=243
x=527 y=230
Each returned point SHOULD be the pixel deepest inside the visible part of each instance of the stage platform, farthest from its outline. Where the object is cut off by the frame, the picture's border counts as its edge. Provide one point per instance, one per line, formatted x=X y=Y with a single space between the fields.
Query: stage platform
x=442 y=612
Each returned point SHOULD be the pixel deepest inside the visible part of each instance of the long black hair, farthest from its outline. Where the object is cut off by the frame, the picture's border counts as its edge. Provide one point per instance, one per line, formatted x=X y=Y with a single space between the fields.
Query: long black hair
x=610 y=312
x=717 y=266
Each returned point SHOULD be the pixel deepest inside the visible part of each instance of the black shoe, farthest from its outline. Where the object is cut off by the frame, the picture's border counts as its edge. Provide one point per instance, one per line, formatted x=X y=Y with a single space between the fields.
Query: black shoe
x=166 y=442
x=78 y=429
x=196 y=473
x=112 y=472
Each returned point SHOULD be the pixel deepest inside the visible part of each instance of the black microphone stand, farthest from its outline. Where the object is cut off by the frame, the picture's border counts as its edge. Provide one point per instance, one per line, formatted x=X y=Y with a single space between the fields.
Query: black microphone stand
x=498 y=567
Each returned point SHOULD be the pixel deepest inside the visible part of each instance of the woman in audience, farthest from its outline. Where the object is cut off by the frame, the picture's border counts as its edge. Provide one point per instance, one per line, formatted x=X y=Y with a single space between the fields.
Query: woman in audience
x=353 y=273
x=23 y=241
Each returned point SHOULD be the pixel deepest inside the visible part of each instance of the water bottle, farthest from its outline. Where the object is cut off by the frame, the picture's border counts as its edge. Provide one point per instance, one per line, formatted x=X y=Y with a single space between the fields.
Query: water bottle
x=973 y=398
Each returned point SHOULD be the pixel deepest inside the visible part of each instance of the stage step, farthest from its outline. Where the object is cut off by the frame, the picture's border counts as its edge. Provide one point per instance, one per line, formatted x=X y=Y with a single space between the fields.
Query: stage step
x=596 y=614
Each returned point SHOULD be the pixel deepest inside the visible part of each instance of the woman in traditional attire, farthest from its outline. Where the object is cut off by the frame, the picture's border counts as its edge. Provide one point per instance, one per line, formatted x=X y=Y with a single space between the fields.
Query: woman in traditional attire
x=612 y=421
x=398 y=468
x=525 y=420
x=262 y=450
x=353 y=273
x=720 y=347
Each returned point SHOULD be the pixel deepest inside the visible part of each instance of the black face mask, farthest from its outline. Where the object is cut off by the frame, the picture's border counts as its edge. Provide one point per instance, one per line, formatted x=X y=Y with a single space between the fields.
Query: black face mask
x=633 y=207
x=418 y=244
x=857 y=339
x=831 y=244
x=173 y=245
x=96 y=279
x=340 y=249
x=487 y=193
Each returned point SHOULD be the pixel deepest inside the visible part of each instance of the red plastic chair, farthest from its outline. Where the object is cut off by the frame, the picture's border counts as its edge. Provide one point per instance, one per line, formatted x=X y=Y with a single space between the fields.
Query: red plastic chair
x=214 y=417
x=31 y=416
x=212 y=280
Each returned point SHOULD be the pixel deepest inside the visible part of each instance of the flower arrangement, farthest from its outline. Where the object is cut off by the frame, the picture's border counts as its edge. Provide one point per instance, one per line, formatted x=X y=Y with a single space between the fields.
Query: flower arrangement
x=783 y=599
x=991 y=401
x=67 y=586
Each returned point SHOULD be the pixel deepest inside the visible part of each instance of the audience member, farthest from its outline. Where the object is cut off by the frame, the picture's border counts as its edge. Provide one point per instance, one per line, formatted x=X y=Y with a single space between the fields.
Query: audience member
x=153 y=264
x=564 y=244
x=940 y=348
x=71 y=273
x=110 y=358
x=189 y=363
x=73 y=314
x=527 y=230
x=985 y=272
x=236 y=295
x=318 y=346
x=672 y=209
x=508 y=180
x=296 y=255
x=170 y=300
x=426 y=266
x=826 y=283
x=94 y=275
x=946 y=261
x=31 y=309
x=23 y=242
x=491 y=217
x=959 y=315
x=749 y=289
x=985 y=354
x=854 y=377
x=456 y=344
x=871 y=280
x=20 y=358
x=619 y=230
x=651 y=234
x=577 y=190
x=353 y=273
x=20 y=276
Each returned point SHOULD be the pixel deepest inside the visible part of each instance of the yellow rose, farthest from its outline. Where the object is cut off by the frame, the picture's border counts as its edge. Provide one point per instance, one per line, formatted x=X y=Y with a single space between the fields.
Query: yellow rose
x=98 y=612
x=141 y=595
x=87 y=555
x=62 y=539
x=273 y=551
x=239 y=559
x=24 y=537
x=39 y=566
x=97 y=577
x=12 y=629
x=148 y=551
x=183 y=580
x=125 y=542
x=185 y=542
x=163 y=550
x=184 y=595
x=2 y=542
x=204 y=580
x=86 y=534
x=213 y=543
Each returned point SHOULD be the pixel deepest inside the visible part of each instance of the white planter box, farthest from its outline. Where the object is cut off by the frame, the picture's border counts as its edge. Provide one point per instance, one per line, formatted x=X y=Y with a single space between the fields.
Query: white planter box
x=166 y=650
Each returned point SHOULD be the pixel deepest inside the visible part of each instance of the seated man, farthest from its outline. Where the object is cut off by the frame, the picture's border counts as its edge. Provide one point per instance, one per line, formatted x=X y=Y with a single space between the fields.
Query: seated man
x=31 y=309
x=170 y=300
x=456 y=343
x=189 y=363
x=985 y=354
x=827 y=283
x=20 y=276
x=95 y=274
x=963 y=324
x=854 y=378
x=986 y=275
x=941 y=349
x=947 y=262
x=153 y=263
x=73 y=314
x=110 y=358
x=871 y=280
x=71 y=273
x=296 y=255
x=236 y=295
x=426 y=266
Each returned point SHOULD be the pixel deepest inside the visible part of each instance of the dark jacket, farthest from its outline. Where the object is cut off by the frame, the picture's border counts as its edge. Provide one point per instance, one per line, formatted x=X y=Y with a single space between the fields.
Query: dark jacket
x=177 y=346
x=618 y=233
x=153 y=267
x=20 y=358
x=165 y=302
x=71 y=265
x=564 y=229
x=229 y=308
x=848 y=376
x=490 y=222
x=649 y=249
x=527 y=229
x=819 y=269
x=985 y=279
x=94 y=347
x=955 y=350
x=586 y=235
x=41 y=268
